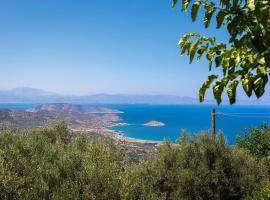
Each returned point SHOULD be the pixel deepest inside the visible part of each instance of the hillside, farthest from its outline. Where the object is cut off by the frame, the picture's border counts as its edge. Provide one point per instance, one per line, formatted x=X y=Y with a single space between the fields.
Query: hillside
x=74 y=115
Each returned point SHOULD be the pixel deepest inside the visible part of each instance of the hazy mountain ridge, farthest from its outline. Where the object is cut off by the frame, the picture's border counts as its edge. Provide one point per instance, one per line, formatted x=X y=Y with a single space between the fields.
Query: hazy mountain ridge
x=33 y=95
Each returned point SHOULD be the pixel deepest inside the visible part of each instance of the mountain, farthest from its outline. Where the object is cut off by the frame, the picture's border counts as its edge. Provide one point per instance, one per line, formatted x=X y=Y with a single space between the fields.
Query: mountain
x=134 y=99
x=33 y=95
x=28 y=95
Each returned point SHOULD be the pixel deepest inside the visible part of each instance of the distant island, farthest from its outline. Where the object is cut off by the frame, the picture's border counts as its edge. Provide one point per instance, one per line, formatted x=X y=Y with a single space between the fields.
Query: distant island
x=154 y=123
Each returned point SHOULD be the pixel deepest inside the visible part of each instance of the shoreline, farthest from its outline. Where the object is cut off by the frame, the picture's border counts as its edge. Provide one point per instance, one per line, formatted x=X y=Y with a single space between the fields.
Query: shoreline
x=136 y=140
x=116 y=135
x=119 y=136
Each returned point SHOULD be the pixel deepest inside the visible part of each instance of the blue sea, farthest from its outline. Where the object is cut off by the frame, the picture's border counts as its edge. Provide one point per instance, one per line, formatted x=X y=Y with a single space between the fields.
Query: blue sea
x=232 y=120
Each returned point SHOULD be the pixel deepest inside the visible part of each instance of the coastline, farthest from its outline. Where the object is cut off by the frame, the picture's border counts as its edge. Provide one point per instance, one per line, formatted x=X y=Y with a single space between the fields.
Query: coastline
x=116 y=135
x=119 y=136
x=136 y=140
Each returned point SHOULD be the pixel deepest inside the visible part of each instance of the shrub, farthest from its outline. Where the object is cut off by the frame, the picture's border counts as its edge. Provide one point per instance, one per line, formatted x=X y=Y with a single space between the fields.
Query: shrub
x=257 y=141
x=262 y=194
x=48 y=163
x=197 y=168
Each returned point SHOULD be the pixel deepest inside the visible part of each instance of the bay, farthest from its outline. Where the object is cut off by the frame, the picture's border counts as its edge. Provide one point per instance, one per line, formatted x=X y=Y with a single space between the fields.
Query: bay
x=232 y=120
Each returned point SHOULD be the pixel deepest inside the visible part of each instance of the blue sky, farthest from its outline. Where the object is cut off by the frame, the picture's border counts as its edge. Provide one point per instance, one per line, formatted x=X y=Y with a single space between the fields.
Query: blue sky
x=92 y=46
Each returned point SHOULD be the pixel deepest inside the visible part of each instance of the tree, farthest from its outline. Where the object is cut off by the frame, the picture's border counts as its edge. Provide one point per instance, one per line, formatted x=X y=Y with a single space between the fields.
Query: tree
x=263 y=193
x=245 y=58
x=196 y=168
x=256 y=141
x=50 y=163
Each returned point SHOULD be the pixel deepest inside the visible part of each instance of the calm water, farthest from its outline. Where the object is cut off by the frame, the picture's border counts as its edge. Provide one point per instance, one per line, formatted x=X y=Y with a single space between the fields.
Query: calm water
x=193 y=118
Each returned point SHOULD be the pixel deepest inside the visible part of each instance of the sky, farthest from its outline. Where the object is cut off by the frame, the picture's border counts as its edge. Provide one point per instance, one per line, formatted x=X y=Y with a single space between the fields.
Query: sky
x=91 y=46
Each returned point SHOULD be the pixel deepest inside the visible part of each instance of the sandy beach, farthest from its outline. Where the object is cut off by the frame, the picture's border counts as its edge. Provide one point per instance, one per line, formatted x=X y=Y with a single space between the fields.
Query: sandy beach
x=116 y=135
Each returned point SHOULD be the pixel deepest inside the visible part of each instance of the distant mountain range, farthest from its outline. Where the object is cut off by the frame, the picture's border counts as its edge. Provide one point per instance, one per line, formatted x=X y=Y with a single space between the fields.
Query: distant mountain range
x=33 y=95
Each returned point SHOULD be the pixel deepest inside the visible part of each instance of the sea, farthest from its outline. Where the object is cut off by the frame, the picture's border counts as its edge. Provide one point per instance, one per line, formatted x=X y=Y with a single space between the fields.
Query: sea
x=231 y=120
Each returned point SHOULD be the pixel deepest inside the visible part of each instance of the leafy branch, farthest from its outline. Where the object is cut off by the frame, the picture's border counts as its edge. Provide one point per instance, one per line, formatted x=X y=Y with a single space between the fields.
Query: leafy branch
x=245 y=58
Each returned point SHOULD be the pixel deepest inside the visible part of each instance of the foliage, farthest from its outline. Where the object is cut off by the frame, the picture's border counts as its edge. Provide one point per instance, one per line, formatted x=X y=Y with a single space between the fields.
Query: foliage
x=263 y=194
x=257 y=142
x=196 y=169
x=48 y=163
x=245 y=58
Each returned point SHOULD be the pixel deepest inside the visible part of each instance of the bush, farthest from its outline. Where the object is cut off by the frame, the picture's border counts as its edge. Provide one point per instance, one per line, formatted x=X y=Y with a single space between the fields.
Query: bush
x=196 y=168
x=262 y=194
x=48 y=163
x=257 y=141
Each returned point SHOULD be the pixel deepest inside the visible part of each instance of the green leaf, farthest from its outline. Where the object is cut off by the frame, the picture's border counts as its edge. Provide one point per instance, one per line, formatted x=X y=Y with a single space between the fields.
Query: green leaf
x=210 y=65
x=190 y=47
x=186 y=37
x=212 y=40
x=250 y=58
x=195 y=9
x=194 y=49
x=251 y=5
x=235 y=75
x=247 y=82
x=192 y=54
x=210 y=9
x=220 y=18
x=217 y=91
x=224 y=70
x=218 y=60
x=259 y=85
x=261 y=61
x=201 y=51
x=262 y=70
x=183 y=40
x=206 y=86
x=237 y=60
x=185 y=4
x=225 y=81
x=209 y=56
x=174 y=3
x=231 y=91
x=183 y=49
x=226 y=62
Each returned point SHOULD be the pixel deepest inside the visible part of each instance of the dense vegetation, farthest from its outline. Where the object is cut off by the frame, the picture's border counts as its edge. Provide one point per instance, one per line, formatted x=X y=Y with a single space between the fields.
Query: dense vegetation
x=50 y=163
x=244 y=57
x=257 y=142
x=197 y=168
